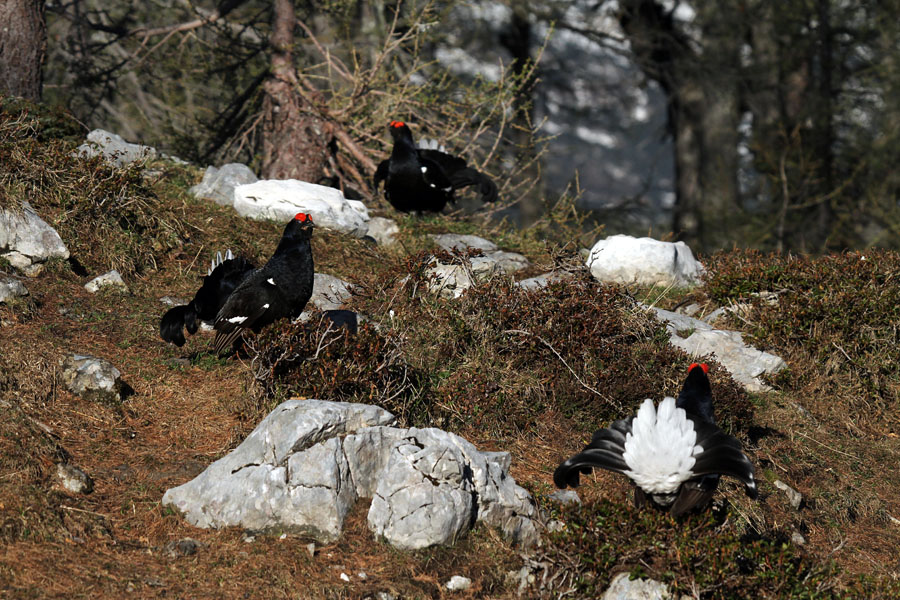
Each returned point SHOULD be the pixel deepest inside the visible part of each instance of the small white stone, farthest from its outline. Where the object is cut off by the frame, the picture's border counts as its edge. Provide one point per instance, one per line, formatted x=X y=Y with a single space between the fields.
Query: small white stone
x=458 y=583
x=345 y=577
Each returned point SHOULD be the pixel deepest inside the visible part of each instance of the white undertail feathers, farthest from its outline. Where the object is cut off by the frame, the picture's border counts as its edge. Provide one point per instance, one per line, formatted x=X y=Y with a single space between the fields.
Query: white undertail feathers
x=661 y=447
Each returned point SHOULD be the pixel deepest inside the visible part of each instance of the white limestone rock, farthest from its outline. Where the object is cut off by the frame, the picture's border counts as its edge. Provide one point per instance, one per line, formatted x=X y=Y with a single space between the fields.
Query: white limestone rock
x=698 y=338
x=92 y=377
x=26 y=239
x=330 y=292
x=459 y=242
x=289 y=474
x=11 y=289
x=305 y=464
x=644 y=261
x=74 y=480
x=114 y=149
x=111 y=279
x=458 y=583
x=219 y=183
x=543 y=280
x=622 y=587
x=384 y=231
x=280 y=200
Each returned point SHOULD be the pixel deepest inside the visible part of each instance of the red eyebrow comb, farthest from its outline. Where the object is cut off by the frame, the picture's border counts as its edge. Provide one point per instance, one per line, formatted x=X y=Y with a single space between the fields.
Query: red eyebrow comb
x=302 y=217
x=703 y=366
x=397 y=123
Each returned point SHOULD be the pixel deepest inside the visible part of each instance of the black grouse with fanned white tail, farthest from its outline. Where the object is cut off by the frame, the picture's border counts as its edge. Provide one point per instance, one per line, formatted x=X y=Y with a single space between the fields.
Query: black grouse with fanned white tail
x=281 y=288
x=674 y=454
x=223 y=277
x=423 y=180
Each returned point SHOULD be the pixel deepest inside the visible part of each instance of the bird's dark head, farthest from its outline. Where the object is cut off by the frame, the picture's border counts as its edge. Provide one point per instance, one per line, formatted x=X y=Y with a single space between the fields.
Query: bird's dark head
x=399 y=130
x=300 y=227
x=696 y=393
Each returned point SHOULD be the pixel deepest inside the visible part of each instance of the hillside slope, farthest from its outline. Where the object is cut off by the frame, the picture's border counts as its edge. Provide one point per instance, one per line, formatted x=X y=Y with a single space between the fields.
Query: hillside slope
x=829 y=430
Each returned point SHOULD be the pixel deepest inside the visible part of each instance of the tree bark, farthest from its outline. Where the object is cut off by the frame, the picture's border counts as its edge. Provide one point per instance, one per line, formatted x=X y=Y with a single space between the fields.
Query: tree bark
x=23 y=43
x=295 y=138
x=703 y=115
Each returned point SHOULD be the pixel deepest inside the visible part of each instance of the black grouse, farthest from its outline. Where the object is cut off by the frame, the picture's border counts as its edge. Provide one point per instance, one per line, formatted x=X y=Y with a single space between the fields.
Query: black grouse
x=423 y=180
x=221 y=279
x=674 y=455
x=281 y=288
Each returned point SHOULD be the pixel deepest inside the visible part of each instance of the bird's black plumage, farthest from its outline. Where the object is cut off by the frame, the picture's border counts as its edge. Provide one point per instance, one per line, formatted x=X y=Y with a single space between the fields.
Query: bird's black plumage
x=423 y=180
x=223 y=277
x=281 y=288
x=715 y=454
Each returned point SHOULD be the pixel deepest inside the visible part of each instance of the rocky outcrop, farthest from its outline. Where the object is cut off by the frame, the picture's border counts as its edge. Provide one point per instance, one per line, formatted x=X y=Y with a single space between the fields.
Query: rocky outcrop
x=698 y=338
x=308 y=461
x=643 y=261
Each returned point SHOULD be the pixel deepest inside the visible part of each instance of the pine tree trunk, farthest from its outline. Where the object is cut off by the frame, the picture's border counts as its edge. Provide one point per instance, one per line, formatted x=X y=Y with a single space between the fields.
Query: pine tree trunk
x=295 y=139
x=23 y=43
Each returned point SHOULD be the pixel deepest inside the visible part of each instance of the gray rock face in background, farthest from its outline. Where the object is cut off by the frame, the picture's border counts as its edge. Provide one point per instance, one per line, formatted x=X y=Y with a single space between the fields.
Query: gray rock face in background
x=11 y=288
x=383 y=230
x=114 y=149
x=111 y=279
x=644 y=261
x=623 y=588
x=279 y=200
x=698 y=338
x=26 y=239
x=219 y=183
x=92 y=377
x=305 y=464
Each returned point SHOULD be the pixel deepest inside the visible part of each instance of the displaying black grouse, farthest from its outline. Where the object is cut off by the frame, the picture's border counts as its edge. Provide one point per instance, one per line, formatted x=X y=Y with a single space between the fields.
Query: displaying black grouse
x=281 y=288
x=674 y=455
x=221 y=279
x=423 y=180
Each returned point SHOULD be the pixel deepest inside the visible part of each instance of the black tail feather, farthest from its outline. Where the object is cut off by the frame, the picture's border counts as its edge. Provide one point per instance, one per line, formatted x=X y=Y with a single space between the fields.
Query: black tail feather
x=469 y=176
x=171 y=327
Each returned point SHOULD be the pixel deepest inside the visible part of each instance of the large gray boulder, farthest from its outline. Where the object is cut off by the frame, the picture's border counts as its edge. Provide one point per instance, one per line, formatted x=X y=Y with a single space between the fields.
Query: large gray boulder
x=26 y=239
x=643 y=261
x=219 y=183
x=280 y=200
x=305 y=464
x=698 y=338
x=114 y=149
x=289 y=474
x=92 y=377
